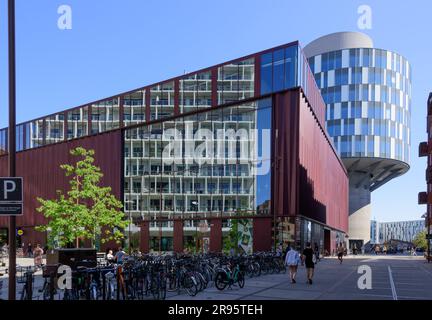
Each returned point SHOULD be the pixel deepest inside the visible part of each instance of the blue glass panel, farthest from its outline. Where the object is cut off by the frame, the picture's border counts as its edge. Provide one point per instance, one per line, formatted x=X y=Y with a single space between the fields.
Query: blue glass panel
x=290 y=66
x=266 y=72
x=278 y=70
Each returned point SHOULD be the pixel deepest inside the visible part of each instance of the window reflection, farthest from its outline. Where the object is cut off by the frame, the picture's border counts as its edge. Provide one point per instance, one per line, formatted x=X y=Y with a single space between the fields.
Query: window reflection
x=215 y=163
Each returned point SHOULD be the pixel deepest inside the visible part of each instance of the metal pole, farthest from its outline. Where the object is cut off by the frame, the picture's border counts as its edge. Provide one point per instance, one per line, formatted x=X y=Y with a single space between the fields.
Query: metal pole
x=12 y=144
x=428 y=233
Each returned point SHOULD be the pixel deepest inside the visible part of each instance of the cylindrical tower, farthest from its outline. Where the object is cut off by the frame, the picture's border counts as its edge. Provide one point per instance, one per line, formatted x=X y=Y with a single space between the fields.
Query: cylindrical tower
x=368 y=96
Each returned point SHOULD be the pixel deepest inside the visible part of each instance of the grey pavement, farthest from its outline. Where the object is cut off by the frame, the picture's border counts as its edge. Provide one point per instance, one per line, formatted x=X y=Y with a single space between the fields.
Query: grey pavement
x=393 y=278
x=411 y=278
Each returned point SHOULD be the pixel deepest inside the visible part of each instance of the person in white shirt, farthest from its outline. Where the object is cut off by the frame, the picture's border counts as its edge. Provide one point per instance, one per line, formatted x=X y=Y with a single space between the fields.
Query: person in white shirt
x=110 y=256
x=292 y=260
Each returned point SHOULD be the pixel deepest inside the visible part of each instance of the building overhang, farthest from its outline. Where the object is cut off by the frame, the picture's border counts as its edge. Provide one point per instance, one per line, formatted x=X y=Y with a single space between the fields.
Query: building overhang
x=372 y=173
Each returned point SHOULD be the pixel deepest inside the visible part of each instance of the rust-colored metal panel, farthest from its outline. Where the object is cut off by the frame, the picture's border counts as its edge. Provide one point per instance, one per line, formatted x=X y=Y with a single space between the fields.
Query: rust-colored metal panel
x=147 y=105
x=42 y=174
x=214 y=86
x=257 y=83
x=323 y=182
x=176 y=97
x=145 y=236
x=178 y=236
x=215 y=235
x=285 y=155
x=262 y=234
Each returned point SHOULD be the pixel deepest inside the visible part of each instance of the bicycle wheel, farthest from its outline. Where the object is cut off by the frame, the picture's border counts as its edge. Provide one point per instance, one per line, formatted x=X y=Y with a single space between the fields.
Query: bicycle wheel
x=202 y=283
x=46 y=293
x=93 y=293
x=24 y=294
x=190 y=285
x=162 y=288
x=221 y=280
x=241 y=279
x=256 y=269
x=171 y=280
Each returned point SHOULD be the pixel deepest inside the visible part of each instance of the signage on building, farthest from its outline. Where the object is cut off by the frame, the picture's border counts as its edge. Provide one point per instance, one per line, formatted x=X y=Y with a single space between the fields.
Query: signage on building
x=11 y=196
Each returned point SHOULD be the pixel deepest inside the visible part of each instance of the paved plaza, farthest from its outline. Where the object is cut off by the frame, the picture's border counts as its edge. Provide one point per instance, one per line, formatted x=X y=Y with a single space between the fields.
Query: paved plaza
x=393 y=278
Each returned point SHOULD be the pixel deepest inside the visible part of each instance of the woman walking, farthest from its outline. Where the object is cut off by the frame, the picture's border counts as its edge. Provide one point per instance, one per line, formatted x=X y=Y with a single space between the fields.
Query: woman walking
x=292 y=260
x=308 y=258
x=38 y=253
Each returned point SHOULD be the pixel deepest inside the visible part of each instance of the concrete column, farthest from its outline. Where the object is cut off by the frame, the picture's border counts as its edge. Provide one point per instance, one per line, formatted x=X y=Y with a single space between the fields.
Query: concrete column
x=359 y=214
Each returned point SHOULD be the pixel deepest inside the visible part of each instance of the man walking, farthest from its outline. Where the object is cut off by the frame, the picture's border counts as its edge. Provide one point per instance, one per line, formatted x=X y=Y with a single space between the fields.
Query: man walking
x=340 y=252
x=29 y=251
x=308 y=260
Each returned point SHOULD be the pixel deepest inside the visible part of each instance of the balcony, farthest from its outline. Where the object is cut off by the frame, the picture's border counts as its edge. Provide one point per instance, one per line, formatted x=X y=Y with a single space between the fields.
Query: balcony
x=423 y=149
x=422 y=198
x=429 y=175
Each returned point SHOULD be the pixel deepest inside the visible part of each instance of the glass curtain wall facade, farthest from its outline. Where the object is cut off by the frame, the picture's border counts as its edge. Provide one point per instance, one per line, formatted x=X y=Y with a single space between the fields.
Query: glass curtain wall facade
x=368 y=97
x=367 y=92
x=197 y=167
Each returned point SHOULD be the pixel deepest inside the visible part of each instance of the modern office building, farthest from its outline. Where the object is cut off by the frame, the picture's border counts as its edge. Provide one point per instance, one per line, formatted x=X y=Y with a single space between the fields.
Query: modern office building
x=400 y=230
x=368 y=96
x=238 y=145
x=404 y=231
x=374 y=232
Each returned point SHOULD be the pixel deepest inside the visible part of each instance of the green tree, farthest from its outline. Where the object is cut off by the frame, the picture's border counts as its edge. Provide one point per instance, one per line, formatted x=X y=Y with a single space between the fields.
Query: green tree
x=87 y=210
x=231 y=240
x=420 y=240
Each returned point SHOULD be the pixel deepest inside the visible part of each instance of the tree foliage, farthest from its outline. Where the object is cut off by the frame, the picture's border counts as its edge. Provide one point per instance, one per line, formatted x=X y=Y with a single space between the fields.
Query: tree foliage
x=87 y=210
x=231 y=240
x=420 y=240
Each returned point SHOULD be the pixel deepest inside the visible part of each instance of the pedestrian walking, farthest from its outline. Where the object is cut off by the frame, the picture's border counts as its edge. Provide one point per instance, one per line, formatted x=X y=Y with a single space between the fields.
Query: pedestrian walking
x=292 y=260
x=279 y=250
x=317 y=252
x=29 y=250
x=308 y=258
x=119 y=256
x=340 y=252
x=38 y=253
x=377 y=249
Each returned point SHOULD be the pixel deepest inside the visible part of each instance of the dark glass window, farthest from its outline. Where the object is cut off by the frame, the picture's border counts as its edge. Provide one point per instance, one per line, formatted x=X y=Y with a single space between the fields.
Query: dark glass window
x=266 y=72
x=278 y=70
x=291 y=66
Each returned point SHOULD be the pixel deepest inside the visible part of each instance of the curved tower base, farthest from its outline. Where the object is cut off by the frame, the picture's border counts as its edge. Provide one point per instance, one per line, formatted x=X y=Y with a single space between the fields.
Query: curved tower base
x=359 y=216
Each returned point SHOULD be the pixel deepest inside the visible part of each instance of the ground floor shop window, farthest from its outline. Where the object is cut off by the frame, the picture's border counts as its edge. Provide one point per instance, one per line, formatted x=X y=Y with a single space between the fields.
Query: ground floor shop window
x=161 y=244
x=237 y=236
x=284 y=232
x=196 y=236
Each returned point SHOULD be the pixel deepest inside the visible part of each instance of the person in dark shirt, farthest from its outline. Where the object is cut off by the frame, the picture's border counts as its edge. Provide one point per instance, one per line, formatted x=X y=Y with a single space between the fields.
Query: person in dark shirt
x=308 y=260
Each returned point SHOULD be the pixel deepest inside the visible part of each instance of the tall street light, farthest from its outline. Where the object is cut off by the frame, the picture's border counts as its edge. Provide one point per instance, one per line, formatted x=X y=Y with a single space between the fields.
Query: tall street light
x=12 y=144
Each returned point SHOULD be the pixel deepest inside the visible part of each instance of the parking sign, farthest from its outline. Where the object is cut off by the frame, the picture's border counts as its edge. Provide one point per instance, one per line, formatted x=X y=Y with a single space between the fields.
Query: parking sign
x=11 y=196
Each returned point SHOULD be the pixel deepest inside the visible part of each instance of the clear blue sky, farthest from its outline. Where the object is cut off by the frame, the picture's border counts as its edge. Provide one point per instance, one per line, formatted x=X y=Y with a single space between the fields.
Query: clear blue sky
x=116 y=46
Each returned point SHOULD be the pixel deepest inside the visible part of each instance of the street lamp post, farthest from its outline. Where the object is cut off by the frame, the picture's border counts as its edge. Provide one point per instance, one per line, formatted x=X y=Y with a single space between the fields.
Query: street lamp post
x=12 y=144
x=428 y=233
